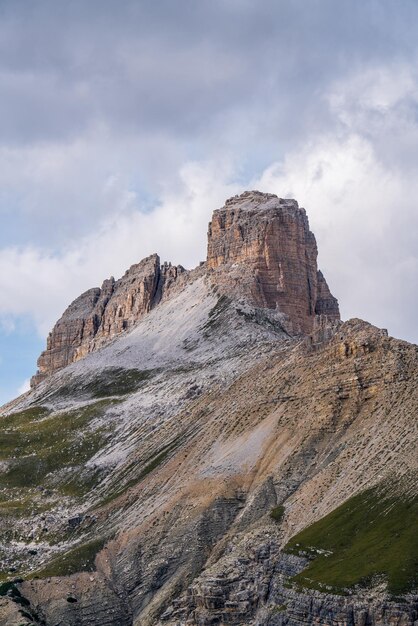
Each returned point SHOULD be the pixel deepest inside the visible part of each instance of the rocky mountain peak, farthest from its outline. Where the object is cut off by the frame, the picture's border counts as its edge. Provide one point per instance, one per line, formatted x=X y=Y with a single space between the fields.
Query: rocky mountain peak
x=100 y=314
x=260 y=200
x=260 y=248
x=236 y=457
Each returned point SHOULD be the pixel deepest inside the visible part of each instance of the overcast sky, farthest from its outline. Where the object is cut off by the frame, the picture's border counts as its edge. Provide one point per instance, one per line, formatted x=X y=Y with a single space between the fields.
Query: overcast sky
x=123 y=124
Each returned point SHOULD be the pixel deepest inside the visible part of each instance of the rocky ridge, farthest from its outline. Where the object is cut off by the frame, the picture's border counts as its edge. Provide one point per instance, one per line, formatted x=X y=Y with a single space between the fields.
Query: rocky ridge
x=100 y=314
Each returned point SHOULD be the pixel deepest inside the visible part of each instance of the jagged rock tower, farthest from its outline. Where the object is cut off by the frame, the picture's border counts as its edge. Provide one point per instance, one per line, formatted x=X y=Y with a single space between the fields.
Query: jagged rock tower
x=260 y=249
x=216 y=432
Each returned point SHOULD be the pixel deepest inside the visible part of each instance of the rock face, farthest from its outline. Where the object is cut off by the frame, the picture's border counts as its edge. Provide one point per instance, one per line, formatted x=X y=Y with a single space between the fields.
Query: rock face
x=100 y=314
x=260 y=247
x=233 y=595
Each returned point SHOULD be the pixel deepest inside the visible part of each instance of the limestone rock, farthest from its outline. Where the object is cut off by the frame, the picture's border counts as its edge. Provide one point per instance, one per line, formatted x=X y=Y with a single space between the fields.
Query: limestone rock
x=98 y=315
x=260 y=248
x=176 y=441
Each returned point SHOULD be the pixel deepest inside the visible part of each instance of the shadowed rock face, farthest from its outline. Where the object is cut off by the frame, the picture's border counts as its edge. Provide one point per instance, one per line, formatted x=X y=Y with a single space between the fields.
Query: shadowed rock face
x=260 y=248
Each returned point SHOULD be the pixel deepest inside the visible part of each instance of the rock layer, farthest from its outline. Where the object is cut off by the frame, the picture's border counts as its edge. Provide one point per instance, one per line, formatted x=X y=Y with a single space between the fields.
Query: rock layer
x=260 y=247
x=204 y=450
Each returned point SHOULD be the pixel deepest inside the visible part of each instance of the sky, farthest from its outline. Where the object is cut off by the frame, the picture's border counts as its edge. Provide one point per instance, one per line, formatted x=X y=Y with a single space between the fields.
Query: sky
x=124 y=124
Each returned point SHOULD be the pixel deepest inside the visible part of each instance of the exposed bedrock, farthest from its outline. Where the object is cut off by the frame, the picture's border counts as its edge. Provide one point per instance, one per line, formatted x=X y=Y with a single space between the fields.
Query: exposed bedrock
x=100 y=314
x=260 y=248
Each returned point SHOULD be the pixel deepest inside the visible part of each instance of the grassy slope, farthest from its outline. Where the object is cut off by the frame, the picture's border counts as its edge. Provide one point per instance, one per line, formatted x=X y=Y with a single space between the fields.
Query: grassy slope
x=44 y=449
x=79 y=559
x=113 y=381
x=370 y=535
x=35 y=444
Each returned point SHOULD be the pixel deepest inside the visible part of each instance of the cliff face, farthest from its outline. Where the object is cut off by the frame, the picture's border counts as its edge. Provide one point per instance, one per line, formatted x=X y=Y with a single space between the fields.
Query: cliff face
x=99 y=315
x=260 y=249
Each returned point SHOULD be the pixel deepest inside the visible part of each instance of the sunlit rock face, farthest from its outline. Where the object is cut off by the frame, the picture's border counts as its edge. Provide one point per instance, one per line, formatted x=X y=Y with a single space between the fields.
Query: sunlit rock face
x=260 y=248
x=100 y=314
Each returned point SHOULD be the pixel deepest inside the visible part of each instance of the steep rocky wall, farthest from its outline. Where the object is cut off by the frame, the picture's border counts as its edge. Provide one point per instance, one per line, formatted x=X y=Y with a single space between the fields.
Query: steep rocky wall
x=254 y=589
x=326 y=303
x=260 y=248
x=100 y=314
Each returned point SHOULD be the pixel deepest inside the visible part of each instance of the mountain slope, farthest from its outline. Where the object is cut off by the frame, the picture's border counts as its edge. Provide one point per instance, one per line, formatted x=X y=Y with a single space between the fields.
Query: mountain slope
x=161 y=478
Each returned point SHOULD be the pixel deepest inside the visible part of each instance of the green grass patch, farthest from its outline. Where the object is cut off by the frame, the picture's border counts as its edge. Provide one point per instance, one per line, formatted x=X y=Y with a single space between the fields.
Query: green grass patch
x=371 y=536
x=277 y=513
x=79 y=559
x=42 y=444
x=23 y=417
x=113 y=381
x=17 y=508
x=80 y=483
x=117 y=382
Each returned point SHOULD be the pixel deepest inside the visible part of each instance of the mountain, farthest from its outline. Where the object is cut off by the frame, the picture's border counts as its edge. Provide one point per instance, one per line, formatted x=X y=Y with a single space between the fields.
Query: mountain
x=260 y=249
x=214 y=446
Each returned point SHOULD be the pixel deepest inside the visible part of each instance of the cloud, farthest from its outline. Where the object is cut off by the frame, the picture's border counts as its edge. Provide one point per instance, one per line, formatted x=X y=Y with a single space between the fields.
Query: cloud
x=367 y=246
x=24 y=387
x=41 y=284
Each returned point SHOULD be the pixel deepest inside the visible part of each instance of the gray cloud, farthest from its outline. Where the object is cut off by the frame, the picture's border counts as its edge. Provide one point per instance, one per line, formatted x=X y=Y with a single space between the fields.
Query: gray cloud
x=180 y=67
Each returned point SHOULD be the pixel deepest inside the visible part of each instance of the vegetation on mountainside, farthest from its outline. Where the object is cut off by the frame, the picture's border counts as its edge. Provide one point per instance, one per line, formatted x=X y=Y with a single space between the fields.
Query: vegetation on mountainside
x=79 y=559
x=117 y=381
x=372 y=536
x=277 y=513
x=113 y=381
x=36 y=444
x=21 y=418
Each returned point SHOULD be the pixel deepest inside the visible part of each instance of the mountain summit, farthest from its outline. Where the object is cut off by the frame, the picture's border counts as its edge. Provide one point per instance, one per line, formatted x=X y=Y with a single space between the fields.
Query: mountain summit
x=214 y=446
x=260 y=248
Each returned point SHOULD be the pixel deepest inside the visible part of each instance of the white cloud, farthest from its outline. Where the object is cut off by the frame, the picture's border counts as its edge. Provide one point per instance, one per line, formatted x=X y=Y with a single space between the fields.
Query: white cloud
x=357 y=182
x=24 y=387
x=378 y=88
x=366 y=222
x=364 y=217
x=42 y=284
